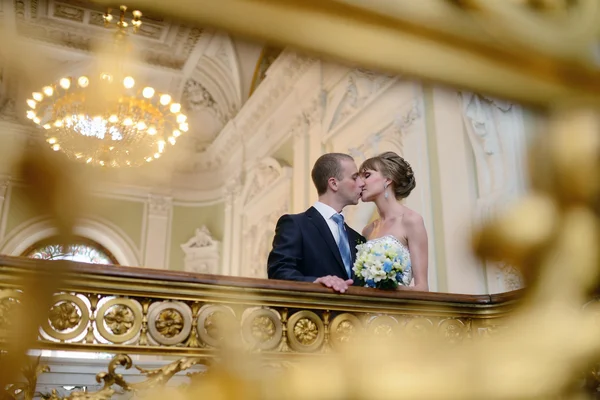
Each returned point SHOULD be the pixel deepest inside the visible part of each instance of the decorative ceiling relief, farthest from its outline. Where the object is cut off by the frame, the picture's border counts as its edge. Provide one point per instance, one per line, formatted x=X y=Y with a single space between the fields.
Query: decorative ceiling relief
x=78 y=24
x=196 y=97
x=204 y=112
x=361 y=86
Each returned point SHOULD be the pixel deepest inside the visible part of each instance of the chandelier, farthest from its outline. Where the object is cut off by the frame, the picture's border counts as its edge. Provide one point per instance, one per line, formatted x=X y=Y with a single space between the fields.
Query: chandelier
x=106 y=118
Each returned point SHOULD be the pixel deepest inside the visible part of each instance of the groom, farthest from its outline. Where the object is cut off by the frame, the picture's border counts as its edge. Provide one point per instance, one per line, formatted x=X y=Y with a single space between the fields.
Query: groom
x=316 y=245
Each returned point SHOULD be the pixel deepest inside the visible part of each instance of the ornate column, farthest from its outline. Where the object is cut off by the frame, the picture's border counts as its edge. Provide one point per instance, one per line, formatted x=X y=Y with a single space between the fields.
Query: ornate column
x=158 y=226
x=453 y=199
x=314 y=116
x=497 y=136
x=302 y=167
x=231 y=232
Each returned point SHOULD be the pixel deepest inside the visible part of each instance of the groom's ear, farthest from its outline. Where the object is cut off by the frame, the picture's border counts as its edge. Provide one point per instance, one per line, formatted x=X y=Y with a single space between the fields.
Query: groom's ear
x=333 y=184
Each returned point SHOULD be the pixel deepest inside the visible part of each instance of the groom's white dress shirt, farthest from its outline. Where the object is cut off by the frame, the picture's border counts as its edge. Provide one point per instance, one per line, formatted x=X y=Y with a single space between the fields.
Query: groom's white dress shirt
x=327 y=212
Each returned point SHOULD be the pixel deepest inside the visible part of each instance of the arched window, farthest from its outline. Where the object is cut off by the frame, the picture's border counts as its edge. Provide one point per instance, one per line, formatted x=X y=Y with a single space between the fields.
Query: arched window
x=82 y=250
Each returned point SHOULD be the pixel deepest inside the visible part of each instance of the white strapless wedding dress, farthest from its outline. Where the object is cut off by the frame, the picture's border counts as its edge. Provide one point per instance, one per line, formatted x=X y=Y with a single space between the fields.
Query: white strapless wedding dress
x=391 y=241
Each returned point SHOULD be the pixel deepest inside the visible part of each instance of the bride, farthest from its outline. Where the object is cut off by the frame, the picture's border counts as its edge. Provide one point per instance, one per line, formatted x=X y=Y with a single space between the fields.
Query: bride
x=388 y=179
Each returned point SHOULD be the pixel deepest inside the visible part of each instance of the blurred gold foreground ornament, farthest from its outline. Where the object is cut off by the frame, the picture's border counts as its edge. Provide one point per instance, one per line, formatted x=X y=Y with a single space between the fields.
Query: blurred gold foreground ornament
x=548 y=346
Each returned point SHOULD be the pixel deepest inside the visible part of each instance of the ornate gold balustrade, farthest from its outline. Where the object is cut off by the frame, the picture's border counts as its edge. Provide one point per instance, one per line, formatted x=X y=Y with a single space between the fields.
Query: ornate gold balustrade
x=137 y=310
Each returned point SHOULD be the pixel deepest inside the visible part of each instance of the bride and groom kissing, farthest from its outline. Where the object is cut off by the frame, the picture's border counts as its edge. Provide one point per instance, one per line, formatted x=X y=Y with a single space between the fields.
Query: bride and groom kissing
x=318 y=246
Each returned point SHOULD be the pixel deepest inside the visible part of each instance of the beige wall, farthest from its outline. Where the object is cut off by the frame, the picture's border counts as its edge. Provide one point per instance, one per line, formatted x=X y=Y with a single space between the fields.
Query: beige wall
x=126 y=220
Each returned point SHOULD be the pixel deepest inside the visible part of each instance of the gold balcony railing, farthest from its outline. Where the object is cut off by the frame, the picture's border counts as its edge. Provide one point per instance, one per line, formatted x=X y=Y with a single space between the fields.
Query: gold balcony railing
x=137 y=310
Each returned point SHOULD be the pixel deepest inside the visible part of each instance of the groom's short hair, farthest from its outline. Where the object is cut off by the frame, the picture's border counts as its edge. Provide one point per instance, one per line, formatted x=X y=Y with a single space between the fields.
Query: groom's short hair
x=327 y=166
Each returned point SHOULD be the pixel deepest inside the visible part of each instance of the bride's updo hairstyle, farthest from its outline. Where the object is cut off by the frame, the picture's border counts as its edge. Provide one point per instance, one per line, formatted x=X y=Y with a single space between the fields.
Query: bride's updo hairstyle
x=393 y=167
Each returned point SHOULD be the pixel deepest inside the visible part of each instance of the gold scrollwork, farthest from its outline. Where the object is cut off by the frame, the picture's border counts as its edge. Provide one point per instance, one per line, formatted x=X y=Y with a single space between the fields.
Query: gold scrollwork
x=169 y=322
x=305 y=331
x=418 y=326
x=64 y=316
x=383 y=325
x=453 y=330
x=67 y=318
x=119 y=320
x=9 y=301
x=213 y=323
x=262 y=328
x=344 y=328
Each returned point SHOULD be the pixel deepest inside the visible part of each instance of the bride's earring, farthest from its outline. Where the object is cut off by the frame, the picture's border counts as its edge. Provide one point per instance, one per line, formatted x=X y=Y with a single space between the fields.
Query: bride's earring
x=385 y=192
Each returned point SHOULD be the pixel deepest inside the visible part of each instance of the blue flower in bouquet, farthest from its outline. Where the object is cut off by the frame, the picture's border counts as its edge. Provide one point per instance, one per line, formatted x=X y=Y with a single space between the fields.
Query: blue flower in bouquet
x=387 y=265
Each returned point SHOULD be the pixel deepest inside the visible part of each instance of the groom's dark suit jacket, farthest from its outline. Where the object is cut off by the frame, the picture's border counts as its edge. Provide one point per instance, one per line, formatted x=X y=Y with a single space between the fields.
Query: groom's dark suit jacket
x=304 y=248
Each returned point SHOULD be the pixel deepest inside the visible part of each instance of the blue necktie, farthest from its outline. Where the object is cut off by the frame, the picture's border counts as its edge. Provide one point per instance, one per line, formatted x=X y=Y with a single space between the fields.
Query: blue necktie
x=343 y=244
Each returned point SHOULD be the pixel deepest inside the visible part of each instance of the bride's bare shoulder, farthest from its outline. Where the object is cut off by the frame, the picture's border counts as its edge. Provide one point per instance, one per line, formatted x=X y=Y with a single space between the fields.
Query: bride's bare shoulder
x=411 y=217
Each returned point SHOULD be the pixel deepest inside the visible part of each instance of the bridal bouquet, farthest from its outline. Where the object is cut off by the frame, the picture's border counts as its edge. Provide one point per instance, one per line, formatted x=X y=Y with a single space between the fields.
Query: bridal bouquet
x=379 y=265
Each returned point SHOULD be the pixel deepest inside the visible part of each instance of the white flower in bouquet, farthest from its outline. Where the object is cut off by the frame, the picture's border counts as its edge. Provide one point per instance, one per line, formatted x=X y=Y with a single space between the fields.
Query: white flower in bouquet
x=380 y=265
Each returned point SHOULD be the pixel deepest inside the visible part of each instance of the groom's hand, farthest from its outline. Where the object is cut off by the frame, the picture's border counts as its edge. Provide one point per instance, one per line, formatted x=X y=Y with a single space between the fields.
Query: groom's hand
x=334 y=282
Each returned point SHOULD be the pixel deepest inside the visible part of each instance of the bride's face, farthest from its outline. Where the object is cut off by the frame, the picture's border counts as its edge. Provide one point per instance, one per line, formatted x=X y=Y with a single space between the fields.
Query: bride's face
x=374 y=184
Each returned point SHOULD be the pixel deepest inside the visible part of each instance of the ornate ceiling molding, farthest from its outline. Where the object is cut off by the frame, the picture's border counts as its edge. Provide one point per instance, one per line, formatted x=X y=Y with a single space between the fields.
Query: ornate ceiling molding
x=268 y=97
x=70 y=25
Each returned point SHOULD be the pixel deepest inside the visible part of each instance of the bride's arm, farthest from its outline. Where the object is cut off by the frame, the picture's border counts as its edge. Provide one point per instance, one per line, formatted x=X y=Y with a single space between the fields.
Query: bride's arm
x=417 y=246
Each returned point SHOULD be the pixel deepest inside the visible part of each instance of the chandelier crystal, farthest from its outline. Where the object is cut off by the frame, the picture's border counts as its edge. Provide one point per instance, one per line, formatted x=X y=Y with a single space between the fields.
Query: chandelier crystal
x=107 y=119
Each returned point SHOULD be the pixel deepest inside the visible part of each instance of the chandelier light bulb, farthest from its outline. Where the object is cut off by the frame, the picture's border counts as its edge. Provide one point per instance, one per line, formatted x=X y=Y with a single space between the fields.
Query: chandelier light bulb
x=129 y=127
x=83 y=81
x=128 y=82
x=148 y=92
x=175 y=108
x=165 y=99
x=65 y=83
